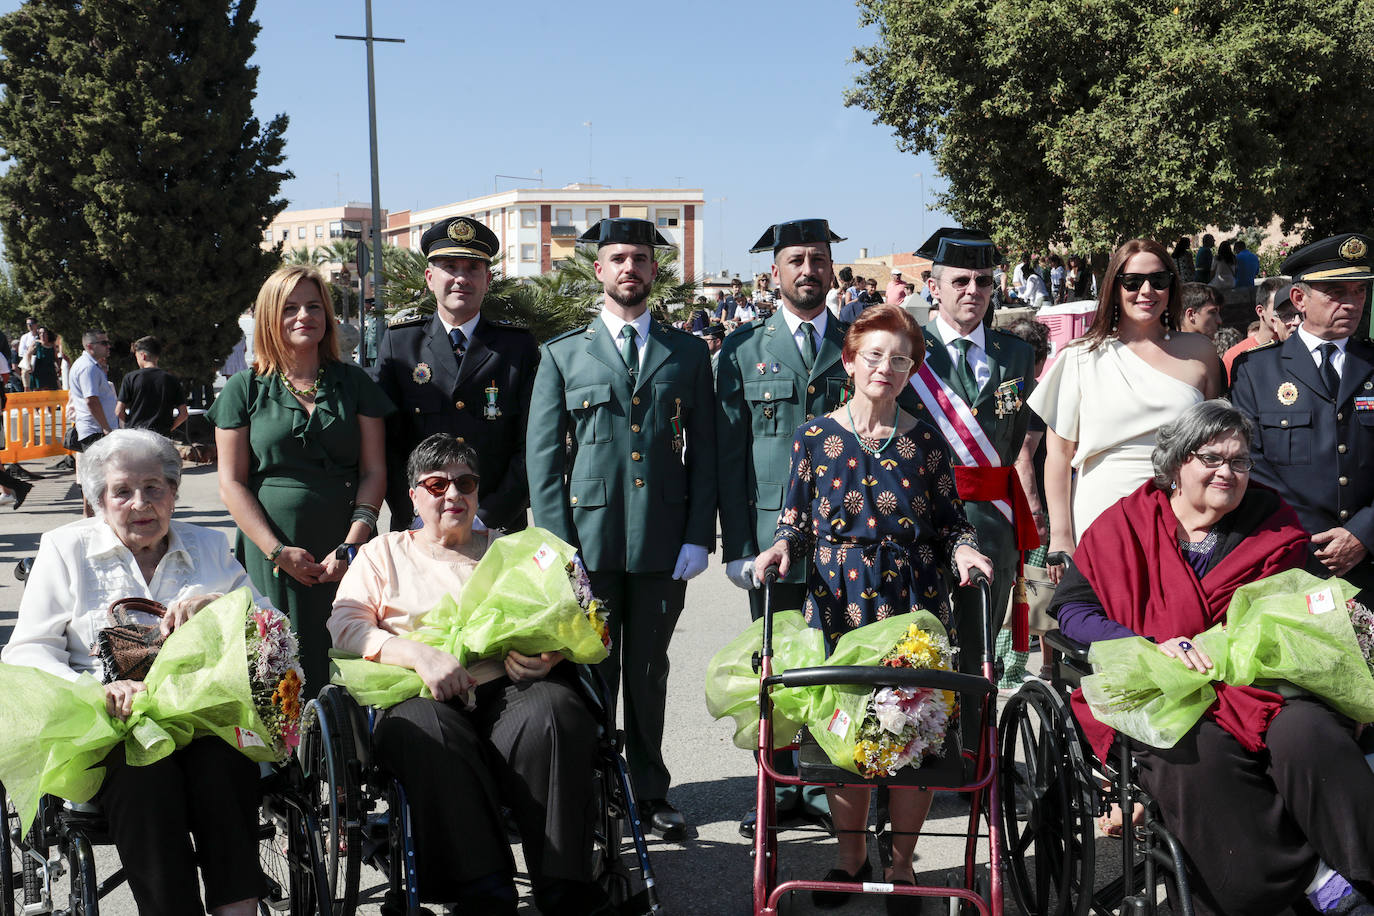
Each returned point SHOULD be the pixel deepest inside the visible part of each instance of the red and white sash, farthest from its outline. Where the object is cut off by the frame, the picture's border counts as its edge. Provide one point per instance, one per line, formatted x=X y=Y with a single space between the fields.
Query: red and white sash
x=960 y=428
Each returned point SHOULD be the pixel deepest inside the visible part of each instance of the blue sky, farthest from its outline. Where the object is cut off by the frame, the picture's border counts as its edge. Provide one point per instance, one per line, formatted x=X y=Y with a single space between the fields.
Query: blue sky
x=742 y=99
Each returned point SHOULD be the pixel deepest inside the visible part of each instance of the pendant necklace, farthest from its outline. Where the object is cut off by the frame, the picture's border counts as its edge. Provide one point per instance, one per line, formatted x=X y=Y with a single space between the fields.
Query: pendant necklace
x=854 y=427
x=303 y=392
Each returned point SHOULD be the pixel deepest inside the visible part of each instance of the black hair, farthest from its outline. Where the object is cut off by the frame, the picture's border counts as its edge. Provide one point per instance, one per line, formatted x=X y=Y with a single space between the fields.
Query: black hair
x=438 y=452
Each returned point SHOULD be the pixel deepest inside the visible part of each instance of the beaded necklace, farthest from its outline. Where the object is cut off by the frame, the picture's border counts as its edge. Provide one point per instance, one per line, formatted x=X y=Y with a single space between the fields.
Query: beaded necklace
x=303 y=392
x=854 y=427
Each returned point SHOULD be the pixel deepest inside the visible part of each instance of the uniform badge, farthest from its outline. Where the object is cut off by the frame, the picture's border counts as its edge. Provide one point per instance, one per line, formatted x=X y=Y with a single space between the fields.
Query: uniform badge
x=1007 y=398
x=677 y=427
x=776 y=367
x=422 y=373
x=1352 y=249
x=491 y=411
x=1363 y=403
x=1288 y=394
x=460 y=230
x=762 y=367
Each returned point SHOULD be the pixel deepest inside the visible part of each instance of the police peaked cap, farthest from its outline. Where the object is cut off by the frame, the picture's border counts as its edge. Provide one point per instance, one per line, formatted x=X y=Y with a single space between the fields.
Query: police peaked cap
x=624 y=230
x=953 y=247
x=1342 y=257
x=460 y=237
x=795 y=232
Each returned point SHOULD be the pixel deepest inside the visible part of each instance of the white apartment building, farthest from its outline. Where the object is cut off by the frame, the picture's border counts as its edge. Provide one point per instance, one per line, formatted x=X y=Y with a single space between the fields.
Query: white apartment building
x=539 y=226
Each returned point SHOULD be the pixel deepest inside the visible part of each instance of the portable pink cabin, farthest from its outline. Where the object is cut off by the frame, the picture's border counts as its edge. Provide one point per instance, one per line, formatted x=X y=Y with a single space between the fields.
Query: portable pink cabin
x=1066 y=321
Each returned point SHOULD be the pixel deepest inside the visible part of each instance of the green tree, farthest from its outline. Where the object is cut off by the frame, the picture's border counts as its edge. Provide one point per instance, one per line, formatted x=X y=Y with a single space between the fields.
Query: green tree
x=140 y=182
x=307 y=257
x=1088 y=121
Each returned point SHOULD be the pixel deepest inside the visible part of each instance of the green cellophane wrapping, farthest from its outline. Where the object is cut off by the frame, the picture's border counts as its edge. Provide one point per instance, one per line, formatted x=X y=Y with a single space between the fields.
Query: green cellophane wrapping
x=1270 y=638
x=519 y=598
x=54 y=732
x=732 y=684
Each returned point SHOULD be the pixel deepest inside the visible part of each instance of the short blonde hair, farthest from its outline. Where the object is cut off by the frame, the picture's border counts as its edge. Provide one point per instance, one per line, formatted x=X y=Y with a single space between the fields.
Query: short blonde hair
x=270 y=352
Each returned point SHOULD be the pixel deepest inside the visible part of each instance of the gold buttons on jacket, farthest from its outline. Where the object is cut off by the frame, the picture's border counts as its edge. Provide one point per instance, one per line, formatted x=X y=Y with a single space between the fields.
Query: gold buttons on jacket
x=1343 y=481
x=1283 y=422
x=586 y=403
x=460 y=440
x=634 y=427
x=635 y=400
x=460 y=405
x=1345 y=514
x=768 y=395
x=1341 y=448
x=573 y=500
x=810 y=389
x=639 y=481
x=635 y=456
x=1340 y=416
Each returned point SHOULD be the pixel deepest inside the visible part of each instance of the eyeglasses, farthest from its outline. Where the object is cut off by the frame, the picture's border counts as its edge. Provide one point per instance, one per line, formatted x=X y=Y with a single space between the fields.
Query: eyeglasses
x=982 y=281
x=1132 y=282
x=438 y=484
x=1212 y=461
x=875 y=358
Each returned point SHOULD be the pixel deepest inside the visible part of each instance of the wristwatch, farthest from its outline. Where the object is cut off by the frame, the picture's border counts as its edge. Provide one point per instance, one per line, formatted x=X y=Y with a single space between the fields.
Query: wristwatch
x=346 y=552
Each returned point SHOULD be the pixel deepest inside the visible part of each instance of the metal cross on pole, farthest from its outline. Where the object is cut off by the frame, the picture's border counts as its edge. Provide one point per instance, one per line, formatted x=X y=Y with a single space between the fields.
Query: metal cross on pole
x=372 y=137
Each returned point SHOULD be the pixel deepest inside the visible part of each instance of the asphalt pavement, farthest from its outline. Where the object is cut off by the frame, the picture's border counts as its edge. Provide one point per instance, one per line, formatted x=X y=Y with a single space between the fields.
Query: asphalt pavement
x=713 y=782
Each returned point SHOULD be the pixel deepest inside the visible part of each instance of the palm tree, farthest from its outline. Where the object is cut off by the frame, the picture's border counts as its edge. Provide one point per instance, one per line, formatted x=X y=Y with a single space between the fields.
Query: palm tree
x=310 y=257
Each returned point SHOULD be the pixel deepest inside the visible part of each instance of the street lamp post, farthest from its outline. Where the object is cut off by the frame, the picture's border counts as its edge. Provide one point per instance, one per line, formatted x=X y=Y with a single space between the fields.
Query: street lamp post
x=369 y=39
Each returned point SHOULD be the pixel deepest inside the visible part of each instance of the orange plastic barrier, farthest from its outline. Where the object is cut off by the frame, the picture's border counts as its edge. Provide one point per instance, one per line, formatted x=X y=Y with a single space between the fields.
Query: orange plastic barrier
x=35 y=422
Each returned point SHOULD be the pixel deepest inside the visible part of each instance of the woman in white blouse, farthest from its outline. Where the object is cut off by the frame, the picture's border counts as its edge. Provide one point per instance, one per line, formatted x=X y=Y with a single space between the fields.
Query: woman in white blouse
x=132 y=548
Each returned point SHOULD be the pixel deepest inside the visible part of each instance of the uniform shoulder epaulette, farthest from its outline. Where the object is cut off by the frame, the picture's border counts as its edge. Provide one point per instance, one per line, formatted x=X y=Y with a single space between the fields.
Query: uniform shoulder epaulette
x=506 y=324
x=570 y=333
x=409 y=322
x=1245 y=355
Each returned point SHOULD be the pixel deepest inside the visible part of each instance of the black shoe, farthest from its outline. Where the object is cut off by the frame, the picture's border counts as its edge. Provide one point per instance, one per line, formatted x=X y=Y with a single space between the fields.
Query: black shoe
x=21 y=492
x=747 y=825
x=828 y=900
x=663 y=819
x=901 y=904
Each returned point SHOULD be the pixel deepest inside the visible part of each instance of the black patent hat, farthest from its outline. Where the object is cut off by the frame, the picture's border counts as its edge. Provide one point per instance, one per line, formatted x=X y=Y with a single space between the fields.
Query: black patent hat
x=795 y=232
x=1340 y=257
x=624 y=230
x=460 y=237
x=955 y=247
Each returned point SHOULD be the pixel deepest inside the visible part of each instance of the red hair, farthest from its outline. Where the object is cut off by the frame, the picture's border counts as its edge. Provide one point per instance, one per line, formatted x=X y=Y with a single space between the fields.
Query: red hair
x=891 y=318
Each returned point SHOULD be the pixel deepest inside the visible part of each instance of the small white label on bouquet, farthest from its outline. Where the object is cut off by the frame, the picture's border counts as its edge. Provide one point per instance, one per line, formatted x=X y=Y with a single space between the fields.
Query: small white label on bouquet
x=544 y=557
x=839 y=723
x=1321 y=602
x=248 y=738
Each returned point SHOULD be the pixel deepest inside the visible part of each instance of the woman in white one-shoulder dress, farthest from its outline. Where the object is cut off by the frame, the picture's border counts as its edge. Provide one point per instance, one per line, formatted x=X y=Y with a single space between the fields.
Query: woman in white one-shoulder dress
x=1110 y=390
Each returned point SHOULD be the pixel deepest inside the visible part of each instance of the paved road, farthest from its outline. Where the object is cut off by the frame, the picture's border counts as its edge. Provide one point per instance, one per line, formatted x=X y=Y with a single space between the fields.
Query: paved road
x=709 y=873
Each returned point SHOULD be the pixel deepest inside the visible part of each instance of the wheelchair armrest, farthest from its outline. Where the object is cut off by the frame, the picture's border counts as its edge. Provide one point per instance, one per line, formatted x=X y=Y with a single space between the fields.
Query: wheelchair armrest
x=878 y=676
x=1069 y=648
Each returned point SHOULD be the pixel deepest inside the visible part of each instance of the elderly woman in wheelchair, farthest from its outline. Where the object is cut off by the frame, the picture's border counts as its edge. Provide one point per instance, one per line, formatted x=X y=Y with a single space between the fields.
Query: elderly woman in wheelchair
x=1269 y=795
x=509 y=731
x=132 y=548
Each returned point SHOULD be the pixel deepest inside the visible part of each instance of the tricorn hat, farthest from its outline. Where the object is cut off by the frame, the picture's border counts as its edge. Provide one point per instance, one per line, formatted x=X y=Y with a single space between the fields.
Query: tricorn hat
x=624 y=230
x=795 y=232
x=1342 y=257
x=460 y=237
x=955 y=247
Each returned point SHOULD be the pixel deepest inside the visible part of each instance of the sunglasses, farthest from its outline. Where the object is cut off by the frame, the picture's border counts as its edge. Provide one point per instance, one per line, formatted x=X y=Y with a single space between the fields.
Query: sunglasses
x=982 y=282
x=438 y=484
x=1158 y=280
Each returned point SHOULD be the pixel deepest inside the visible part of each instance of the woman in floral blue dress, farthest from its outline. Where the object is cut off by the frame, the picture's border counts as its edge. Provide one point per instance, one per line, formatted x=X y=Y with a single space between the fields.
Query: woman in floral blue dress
x=872 y=505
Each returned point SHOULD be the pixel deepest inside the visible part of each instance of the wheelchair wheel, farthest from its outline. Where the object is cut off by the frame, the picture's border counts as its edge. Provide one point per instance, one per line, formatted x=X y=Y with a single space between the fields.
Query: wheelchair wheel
x=1050 y=855
x=85 y=893
x=329 y=762
x=274 y=855
x=608 y=839
x=23 y=881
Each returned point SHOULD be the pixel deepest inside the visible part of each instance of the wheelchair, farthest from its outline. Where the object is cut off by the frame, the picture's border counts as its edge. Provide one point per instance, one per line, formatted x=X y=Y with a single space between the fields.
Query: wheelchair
x=364 y=815
x=1050 y=772
x=974 y=772
x=59 y=848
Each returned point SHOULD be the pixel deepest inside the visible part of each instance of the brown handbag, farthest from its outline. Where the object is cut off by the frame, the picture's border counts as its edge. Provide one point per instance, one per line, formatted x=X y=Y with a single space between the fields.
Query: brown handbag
x=127 y=648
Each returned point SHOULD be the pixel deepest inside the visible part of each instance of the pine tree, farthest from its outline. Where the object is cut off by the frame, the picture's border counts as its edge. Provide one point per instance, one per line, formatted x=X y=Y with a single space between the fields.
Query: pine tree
x=140 y=183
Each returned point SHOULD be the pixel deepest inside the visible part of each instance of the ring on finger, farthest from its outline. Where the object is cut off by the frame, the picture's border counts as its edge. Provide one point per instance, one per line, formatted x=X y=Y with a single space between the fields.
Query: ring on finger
x=1185 y=645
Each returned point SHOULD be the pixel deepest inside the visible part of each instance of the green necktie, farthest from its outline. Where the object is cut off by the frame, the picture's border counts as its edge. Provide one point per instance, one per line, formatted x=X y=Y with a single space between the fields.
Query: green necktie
x=964 y=371
x=629 y=349
x=809 y=344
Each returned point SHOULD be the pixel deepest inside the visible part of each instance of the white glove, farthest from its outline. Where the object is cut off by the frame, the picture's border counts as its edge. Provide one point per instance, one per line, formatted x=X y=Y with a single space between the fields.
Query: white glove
x=691 y=562
x=741 y=572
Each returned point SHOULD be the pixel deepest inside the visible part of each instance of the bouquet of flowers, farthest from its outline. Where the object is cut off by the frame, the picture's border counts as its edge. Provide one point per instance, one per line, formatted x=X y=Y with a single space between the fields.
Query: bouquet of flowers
x=1285 y=629
x=1362 y=621
x=902 y=726
x=871 y=732
x=529 y=594
x=230 y=671
x=275 y=676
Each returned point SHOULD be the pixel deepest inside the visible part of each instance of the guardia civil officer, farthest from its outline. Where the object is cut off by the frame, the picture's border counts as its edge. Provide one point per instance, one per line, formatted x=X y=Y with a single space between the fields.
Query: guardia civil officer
x=987 y=376
x=1311 y=399
x=461 y=373
x=621 y=456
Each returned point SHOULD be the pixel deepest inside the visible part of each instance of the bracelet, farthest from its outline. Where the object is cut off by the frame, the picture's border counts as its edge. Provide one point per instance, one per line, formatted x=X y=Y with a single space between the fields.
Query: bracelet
x=365 y=514
x=276 y=552
x=367 y=506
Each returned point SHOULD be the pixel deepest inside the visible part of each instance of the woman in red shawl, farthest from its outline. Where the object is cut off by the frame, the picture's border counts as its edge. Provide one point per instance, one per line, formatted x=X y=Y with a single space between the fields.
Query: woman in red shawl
x=1264 y=790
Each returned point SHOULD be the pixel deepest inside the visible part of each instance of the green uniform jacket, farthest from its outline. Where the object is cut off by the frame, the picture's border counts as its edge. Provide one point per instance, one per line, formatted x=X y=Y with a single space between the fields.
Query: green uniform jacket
x=1012 y=362
x=758 y=410
x=627 y=489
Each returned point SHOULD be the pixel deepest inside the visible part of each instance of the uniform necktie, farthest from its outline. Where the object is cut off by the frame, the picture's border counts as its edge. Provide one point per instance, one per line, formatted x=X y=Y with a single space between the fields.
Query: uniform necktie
x=964 y=371
x=1329 y=374
x=459 y=341
x=808 y=344
x=629 y=349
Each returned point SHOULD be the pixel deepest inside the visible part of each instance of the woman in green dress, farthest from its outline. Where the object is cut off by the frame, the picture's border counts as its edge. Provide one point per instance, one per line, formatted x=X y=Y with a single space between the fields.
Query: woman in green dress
x=301 y=458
